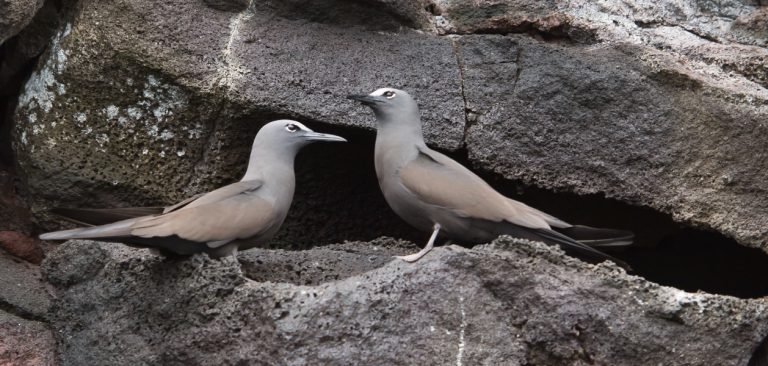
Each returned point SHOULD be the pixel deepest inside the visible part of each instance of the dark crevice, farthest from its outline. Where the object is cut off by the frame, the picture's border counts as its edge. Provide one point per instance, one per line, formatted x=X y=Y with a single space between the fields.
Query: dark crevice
x=338 y=195
x=433 y=9
x=561 y=34
x=760 y=356
x=210 y=139
x=338 y=199
x=701 y=35
x=648 y=24
x=21 y=313
x=18 y=57
x=665 y=252
x=371 y=15
x=656 y=24
x=518 y=68
x=469 y=119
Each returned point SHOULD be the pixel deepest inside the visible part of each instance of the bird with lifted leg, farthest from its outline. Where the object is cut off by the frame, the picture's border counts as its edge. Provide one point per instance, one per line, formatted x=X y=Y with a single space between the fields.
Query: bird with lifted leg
x=436 y=194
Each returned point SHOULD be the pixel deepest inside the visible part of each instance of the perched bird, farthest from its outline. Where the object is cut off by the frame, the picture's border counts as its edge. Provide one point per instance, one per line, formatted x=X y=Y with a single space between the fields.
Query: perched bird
x=234 y=217
x=432 y=192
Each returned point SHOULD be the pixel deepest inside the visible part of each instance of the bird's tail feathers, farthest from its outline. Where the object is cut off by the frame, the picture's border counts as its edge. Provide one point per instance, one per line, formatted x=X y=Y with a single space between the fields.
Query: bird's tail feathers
x=120 y=228
x=571 y=245
x=598 y=237
x=102 y=216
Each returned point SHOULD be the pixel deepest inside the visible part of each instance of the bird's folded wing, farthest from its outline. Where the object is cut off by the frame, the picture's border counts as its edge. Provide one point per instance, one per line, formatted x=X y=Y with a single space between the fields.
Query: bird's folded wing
x=103 y=216
x=182 y=203
x=229 y=213
x=438 y=180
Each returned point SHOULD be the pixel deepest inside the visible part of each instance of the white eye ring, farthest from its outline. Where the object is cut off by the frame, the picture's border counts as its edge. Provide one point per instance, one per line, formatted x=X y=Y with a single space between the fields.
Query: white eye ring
x=389 y=94
x=291 y=127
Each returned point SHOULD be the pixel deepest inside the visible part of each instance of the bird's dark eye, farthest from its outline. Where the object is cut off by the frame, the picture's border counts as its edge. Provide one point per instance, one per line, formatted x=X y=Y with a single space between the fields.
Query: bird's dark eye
x=389 y=94
x=291 y=127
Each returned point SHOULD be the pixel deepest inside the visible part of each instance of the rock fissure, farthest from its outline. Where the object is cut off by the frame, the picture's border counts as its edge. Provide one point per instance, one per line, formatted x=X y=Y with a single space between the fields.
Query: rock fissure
x=555 y=35
x=21 y=312
x=318 y=321
x=462 y=328
x=518 y=70
x=655 y=106
x=665 y=252
x=467 y=111
x=760 y=355
x=230 y=69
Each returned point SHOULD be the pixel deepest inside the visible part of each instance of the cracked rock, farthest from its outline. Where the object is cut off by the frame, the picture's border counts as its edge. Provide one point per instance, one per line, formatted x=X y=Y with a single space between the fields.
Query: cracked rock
x=25 y=342
x=510 y=302
x=22 y=290
x=15 y=15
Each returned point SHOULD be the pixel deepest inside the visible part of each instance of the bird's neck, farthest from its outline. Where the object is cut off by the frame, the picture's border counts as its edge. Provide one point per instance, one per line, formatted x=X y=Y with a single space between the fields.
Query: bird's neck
x=396 y=144
x=269 y=163
x=400 y=132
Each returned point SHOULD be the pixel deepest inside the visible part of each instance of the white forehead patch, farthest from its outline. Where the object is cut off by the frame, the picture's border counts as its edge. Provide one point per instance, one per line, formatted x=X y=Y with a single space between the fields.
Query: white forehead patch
x=380 y=92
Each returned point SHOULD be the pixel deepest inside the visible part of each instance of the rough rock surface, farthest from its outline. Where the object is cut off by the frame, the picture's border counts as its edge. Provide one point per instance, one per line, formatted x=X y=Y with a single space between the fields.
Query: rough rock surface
x=659 y=104
x=165 y=122
x=15 y=15
x=25 y=338
x=512 y=302
x=22 y=289
x=624 y=121
x=25 y=342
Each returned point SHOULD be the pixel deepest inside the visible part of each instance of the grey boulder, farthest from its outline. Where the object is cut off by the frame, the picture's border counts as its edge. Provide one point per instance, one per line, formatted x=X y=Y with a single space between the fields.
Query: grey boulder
x=512 y=302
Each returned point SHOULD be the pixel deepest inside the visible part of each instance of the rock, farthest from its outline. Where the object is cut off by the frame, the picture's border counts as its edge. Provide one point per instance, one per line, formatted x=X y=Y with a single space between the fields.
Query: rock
x=381 y=15
x=633 y=100
x=21 y=246
x=228 y=5
x=511 y=302
x=621 y=120
x=168 y=122
x=14 y=215
x=589 y=22
x=322 y=264
x=15 y=15
x=20 y=52
x=22 y=289
x=25 y=342
x=752 y=26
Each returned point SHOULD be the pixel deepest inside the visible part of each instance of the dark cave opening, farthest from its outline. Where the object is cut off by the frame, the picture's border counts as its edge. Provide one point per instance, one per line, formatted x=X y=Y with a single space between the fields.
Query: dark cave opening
x=666 y=252
x=760 y=355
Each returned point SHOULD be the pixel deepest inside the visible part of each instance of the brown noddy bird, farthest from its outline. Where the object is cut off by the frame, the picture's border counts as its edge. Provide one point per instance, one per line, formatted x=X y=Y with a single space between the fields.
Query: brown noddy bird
x=234 y=217
x=432 y=192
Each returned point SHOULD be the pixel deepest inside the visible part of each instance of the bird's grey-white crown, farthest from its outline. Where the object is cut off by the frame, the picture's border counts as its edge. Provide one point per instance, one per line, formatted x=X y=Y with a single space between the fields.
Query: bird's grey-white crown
x=293 y=126
x=388 y=93
x=285 y=124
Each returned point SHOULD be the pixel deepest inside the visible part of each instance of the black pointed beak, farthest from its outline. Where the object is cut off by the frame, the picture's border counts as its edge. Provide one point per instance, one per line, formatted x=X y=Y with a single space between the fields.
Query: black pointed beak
x=316 y=136
x=365 y=99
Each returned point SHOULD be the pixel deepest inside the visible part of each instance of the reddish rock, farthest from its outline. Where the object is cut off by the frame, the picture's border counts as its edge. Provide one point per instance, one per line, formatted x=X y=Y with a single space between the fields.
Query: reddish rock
x=25 y=342
x=14 y=214
x=753 y=24
x=22 y=246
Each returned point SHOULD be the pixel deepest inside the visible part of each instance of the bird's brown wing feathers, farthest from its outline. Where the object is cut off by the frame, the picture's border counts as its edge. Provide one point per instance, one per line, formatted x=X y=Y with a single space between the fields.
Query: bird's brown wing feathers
x=103 y=216
x=182 y=203
x=228 y=213
x=439 y=180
